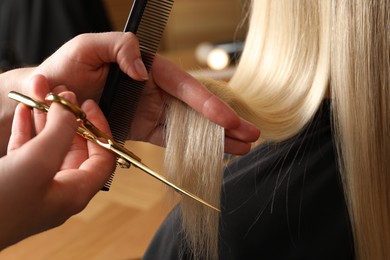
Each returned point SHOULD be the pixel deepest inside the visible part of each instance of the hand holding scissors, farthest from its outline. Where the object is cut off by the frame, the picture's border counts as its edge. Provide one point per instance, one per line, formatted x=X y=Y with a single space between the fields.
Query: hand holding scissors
x=88 y=131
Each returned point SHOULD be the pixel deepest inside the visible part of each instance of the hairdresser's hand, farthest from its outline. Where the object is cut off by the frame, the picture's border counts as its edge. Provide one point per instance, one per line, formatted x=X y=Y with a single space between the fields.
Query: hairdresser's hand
x=47 y=178
x=166 y=79
x=82 y=65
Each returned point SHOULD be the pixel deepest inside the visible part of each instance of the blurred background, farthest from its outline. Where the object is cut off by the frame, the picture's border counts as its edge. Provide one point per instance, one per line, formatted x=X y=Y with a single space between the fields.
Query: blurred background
x=118 y=224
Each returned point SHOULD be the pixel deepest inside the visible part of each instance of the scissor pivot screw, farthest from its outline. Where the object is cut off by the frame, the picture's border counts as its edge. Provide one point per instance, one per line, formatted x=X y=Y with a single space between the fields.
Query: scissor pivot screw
x=123 y=163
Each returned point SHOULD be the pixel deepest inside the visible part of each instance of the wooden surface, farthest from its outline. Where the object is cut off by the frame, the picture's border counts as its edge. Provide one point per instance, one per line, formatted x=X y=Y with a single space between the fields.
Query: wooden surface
x=118 y=224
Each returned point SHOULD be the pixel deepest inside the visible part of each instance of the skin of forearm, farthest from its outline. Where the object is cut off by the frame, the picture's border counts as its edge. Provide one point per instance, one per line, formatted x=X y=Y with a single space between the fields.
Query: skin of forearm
x=11 y=80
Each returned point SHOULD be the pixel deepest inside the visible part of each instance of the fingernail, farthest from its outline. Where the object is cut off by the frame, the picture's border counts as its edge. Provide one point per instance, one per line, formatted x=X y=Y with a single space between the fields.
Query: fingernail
x=141 y=69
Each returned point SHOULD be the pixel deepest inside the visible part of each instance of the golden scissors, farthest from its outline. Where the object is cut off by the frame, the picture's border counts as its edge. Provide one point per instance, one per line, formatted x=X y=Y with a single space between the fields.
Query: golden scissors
x=88 y=131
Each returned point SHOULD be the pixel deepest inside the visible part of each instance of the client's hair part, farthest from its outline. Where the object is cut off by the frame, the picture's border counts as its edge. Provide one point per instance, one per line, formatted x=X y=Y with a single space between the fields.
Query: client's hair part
x=297 y=52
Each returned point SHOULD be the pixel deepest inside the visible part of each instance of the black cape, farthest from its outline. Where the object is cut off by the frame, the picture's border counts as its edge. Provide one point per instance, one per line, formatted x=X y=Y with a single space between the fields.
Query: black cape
x=281 y=201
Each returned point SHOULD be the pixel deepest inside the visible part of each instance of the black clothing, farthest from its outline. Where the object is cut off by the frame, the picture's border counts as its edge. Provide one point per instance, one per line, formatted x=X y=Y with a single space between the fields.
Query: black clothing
x=31 y=30
x=281 y=201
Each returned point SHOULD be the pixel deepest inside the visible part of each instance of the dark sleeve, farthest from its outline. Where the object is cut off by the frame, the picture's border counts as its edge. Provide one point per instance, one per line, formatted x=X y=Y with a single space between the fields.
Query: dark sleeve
x=31 y=30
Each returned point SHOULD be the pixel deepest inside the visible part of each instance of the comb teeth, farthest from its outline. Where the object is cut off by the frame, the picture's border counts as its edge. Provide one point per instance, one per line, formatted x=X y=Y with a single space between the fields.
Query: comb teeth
x=121 y=94
x=150 y=29
x=108 y=183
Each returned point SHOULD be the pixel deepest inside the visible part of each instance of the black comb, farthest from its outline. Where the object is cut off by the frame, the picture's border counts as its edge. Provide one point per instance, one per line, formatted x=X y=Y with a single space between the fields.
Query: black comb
x=121 y=94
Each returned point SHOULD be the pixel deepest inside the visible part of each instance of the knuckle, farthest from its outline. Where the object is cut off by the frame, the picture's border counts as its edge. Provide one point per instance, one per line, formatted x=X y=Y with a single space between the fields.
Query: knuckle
x=126 y=45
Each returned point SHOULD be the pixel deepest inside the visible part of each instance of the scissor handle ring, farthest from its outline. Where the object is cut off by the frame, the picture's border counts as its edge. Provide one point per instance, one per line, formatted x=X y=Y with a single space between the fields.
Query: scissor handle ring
x=80 y=114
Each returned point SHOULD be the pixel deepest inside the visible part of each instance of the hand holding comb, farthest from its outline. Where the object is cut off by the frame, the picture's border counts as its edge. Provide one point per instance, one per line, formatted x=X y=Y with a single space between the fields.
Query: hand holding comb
x=121 y=94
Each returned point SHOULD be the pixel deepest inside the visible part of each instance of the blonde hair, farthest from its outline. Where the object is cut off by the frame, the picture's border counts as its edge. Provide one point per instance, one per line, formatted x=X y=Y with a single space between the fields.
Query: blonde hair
x=193 y=161
x=361 y=95
x=297 y=52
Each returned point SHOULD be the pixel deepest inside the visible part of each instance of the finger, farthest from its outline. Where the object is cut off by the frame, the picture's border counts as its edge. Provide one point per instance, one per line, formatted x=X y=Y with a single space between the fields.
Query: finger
x=39 y=87
x=236 y=147
x=96 y=116
x=55 y=139
x=40 y=116
x=78 y=151
x=21 y=128
x=121 y=48
x=101 y=162
x=156 y=136
x=95 y=170
x=183 y=86
x=245 y=132
x=75 y=188
x=58 y=89
x=39 y=159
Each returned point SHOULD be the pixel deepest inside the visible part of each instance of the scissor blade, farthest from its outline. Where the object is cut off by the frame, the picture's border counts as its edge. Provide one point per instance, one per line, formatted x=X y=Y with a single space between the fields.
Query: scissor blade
x=154 y=174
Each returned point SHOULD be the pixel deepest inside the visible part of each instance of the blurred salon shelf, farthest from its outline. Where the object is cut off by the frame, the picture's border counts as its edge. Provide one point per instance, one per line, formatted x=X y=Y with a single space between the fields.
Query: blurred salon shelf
x=186 y=59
